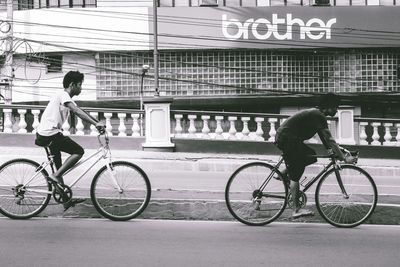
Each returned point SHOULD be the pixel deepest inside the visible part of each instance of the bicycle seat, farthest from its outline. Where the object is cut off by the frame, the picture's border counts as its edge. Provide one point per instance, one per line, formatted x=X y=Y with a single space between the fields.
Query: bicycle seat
x=41 y=143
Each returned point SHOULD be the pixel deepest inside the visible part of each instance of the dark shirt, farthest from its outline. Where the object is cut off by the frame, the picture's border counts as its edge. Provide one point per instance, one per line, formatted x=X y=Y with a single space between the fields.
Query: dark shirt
x=303 y=125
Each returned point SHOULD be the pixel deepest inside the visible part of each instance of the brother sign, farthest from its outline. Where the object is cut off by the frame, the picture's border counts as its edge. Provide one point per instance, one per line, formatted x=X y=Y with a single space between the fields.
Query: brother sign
x=262 y=29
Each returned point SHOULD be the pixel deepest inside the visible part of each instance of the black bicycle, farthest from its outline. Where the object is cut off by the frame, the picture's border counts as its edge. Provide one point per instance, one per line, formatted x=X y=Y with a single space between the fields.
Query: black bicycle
x=345 y=196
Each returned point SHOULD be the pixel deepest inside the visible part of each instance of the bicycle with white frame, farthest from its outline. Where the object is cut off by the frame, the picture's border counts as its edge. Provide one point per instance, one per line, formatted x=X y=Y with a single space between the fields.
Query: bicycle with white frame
x=120 y=190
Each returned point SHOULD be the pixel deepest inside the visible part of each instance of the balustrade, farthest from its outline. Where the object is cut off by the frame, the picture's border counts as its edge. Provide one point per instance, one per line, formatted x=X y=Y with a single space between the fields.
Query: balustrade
x=25 y=119
x=375 y=131
x=226 y=126
x=195 y=124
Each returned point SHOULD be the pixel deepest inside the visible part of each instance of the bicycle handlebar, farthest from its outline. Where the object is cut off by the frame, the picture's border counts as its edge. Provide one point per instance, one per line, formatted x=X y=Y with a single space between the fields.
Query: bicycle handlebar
x=346 y=152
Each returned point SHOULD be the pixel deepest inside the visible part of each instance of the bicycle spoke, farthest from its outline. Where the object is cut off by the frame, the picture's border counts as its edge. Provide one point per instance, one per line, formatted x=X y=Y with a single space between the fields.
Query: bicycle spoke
x=127 y=203
x=16 y=199
x=348 y=211
x=247 y=203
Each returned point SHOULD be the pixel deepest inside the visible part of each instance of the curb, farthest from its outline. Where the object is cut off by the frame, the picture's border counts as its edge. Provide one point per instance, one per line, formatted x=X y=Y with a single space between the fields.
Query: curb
x=209 y=210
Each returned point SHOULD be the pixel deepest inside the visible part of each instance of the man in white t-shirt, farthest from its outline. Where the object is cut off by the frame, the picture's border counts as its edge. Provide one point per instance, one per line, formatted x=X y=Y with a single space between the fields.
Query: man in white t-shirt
x=49 y=131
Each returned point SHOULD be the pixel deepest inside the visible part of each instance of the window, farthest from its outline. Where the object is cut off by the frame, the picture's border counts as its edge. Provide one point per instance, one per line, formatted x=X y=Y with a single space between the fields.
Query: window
x=25 y=4
x=208 y=2
x=64 y=3
x=54 y=63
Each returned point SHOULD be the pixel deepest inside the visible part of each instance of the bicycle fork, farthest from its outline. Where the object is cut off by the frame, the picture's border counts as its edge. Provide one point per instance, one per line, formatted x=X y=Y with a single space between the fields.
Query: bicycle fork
x=110 y=169
x=340 y=182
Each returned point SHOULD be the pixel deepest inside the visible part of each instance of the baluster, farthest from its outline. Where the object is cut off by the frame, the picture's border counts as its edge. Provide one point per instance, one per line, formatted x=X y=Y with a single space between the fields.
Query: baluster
x=232 y=128
x=245 y=131
x=66 y=127
x=398 y=134
x=22 y=123
x=108 y=116
x=218 y=129
x=206 y=129
x=79 y=127
x=93 y=130
x=7 y=121
x=363 y=133
x=259 y=131
x=178 y=126
x=272 y=131
x=387 y=136
x=35 y=123
x=375 y=135
x=192 y=128
x=122 y=127
x=135 y=125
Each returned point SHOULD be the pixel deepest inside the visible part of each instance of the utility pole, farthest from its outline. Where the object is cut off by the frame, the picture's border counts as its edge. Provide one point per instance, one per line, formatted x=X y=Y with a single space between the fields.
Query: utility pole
x=155 y=44
x=8 y=65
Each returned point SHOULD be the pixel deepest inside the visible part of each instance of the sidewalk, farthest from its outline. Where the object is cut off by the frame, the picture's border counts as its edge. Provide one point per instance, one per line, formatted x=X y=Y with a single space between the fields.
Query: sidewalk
x=191 y=185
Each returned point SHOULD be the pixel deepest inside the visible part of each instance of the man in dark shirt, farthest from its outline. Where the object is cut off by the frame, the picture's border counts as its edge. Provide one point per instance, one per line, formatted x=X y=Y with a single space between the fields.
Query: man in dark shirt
x=290 y=139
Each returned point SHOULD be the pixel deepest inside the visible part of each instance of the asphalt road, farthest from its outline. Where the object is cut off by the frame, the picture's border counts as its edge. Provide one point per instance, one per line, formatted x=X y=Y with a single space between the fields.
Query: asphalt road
x=88 y=242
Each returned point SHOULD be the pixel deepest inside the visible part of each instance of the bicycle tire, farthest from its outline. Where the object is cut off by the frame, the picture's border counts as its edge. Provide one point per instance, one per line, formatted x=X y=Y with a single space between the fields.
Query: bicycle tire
x=115 y=205
x=333 y=205
x=26 y=203
x=244 y=183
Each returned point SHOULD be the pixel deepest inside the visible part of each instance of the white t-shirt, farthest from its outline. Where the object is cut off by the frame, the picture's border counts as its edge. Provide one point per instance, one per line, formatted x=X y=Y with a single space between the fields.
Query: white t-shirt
x=55 y=114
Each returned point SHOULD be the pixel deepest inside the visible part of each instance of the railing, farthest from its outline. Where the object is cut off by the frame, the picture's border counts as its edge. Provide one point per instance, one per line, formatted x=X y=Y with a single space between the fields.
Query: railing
x=119 y=122
x=379 y=131
x=262 y=127
x=225 y=125
x=190 y=124
x=237 y=126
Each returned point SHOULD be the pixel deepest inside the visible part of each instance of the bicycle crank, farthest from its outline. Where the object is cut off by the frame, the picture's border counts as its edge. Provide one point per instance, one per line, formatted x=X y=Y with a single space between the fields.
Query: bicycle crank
x=62 y=194
x=302 y=200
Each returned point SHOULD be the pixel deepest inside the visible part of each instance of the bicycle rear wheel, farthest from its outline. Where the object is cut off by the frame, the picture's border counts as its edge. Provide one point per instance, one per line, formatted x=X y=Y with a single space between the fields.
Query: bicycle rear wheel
x=126 y=203
x=249 y=201
x=349 y=210
x=19 y=200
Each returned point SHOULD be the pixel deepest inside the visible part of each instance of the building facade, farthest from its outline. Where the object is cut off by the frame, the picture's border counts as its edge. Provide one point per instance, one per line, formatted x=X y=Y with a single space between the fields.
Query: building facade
x=238 y=55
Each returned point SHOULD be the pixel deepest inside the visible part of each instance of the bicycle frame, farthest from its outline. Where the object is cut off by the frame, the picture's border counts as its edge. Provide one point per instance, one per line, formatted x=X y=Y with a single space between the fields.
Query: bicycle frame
x=103 y=153
x=331 y=164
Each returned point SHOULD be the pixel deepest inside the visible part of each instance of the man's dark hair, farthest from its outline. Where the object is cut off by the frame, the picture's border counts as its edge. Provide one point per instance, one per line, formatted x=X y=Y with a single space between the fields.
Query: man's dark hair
x=329 y=100
x=74 y=77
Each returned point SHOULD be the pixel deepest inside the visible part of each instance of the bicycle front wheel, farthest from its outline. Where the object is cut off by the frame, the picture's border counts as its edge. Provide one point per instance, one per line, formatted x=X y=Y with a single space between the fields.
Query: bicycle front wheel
x=256 y=194
x=348 y=205
x=120 y=192
x=18 y=198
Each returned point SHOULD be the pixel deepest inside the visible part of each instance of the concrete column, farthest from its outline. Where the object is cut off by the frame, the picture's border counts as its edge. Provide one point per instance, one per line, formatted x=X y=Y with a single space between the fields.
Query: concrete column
x=345 y=127
x=158 y=124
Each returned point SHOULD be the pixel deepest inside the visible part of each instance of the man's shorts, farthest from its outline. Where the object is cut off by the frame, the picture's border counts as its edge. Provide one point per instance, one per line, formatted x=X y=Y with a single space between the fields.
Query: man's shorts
x=296 y=155
x=59 y=143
